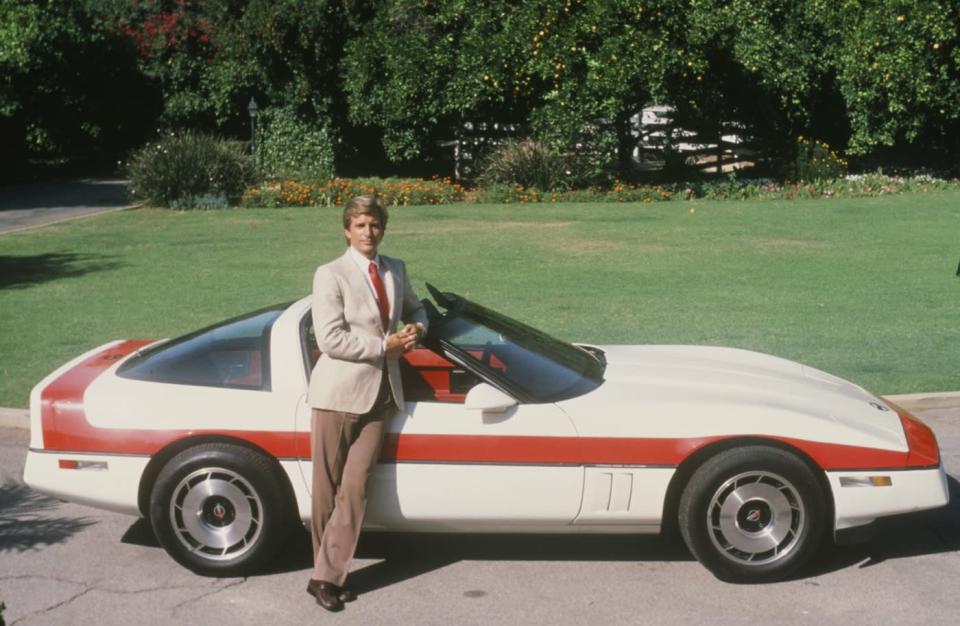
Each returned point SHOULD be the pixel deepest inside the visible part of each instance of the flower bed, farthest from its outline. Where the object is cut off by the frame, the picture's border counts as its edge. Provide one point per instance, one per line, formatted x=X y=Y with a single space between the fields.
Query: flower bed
x=407 y=191
x=336 y=192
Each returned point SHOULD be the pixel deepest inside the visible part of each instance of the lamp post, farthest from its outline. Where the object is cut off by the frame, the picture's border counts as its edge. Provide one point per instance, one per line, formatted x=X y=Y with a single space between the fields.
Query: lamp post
x=252 y=110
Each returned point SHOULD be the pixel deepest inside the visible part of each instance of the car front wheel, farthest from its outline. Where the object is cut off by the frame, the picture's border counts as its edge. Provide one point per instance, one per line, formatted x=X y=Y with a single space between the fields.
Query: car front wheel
x=752 y=514
x=219 y=509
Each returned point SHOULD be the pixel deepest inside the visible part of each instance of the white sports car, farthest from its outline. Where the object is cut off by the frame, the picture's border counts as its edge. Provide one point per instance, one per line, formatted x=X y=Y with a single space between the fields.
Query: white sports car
x=505 y=429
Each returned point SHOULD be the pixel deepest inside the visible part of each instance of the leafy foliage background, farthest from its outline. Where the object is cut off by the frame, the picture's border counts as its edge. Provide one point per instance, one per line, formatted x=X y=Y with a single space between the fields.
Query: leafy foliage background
x=875 y=79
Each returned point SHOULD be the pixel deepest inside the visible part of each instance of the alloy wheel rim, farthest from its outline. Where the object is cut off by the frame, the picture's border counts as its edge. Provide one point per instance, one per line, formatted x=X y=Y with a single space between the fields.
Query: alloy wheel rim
x=756 y=518
x=216 y=514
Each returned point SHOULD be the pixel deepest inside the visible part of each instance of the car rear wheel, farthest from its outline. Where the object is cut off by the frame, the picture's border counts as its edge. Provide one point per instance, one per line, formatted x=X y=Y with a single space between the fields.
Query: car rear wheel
x=752 y=514
x=219 y=509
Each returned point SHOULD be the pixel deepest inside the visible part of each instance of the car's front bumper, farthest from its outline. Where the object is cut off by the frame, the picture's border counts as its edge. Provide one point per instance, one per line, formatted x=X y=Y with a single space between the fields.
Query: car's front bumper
x=862 y=496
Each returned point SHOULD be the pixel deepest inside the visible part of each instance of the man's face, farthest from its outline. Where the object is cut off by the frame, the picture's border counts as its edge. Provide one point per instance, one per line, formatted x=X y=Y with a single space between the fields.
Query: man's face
x=365 y=234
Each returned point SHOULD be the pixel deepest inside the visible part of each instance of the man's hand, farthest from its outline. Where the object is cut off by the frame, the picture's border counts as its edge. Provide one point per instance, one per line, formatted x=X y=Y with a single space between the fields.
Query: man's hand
x=415 y=328
x=403 y=340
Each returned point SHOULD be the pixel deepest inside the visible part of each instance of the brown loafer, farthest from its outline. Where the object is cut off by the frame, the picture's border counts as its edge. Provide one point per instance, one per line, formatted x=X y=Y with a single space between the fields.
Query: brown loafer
x=327 y=594
x=346 y=595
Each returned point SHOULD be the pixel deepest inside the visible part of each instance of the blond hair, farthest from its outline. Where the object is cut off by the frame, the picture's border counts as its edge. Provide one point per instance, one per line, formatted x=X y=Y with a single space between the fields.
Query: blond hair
x=365 y=205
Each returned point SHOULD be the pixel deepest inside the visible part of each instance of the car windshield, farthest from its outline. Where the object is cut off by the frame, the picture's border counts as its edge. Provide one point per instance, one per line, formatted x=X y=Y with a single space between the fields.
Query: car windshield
x=528 y=363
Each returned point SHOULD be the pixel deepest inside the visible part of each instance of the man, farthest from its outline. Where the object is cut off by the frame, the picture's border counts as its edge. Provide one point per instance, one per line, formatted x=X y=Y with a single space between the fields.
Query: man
x=355 y=387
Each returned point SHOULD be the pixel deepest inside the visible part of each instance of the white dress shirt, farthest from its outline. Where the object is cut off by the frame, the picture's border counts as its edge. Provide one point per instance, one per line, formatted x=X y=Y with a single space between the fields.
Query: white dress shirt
x=385 y=276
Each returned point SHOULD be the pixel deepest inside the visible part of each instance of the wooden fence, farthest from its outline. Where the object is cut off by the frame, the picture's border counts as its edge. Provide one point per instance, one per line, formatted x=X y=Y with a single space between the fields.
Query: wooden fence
x=658 y=144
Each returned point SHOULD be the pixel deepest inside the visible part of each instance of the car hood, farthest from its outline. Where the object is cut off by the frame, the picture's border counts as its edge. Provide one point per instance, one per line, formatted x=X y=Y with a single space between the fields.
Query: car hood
x=684 y=391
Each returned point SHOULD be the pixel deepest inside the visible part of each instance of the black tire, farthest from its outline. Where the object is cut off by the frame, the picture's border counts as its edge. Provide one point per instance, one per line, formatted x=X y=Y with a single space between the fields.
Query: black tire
x=752 y=514
x=220 y=509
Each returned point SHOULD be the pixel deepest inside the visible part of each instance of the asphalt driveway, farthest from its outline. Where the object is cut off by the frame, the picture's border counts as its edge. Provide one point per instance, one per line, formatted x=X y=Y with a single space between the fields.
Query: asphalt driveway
x=29 y=205
x=64 y=563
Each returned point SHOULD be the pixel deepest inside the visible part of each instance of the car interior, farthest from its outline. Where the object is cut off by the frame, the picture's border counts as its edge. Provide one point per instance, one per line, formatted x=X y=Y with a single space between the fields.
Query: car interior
x=427 y=376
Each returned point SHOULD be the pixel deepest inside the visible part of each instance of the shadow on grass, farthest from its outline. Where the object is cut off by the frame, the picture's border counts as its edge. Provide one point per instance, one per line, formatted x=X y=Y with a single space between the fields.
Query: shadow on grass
x=17 y=272
x=24 y=523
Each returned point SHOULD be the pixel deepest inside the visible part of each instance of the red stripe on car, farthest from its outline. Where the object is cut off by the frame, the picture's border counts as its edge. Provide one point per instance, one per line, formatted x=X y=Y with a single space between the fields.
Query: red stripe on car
x=65 y=428
x=924 y=450
x=663 y=451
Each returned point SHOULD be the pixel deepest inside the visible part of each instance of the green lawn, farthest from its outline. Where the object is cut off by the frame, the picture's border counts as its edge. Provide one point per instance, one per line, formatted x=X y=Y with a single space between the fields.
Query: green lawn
x=862 y=288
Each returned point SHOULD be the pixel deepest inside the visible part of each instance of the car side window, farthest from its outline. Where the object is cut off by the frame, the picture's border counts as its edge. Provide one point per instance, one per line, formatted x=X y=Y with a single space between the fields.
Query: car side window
x=234 y=354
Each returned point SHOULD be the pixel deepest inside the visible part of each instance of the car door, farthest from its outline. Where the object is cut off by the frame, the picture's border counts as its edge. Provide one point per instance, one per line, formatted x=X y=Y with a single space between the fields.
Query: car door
x=446 y=467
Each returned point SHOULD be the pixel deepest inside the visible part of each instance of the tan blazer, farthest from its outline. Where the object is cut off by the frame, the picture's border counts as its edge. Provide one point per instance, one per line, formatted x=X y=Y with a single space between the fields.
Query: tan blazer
x=346 y=321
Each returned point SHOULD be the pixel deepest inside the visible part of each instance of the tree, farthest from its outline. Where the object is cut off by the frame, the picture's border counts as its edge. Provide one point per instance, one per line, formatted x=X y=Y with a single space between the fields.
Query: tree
x=898 y=69
x=209 y=57
x=68 y=89
x=396 y=76
x=418 y=68
x=859 y=73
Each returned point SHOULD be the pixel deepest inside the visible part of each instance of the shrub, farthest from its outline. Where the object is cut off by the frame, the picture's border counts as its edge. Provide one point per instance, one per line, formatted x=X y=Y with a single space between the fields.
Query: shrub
x=507 y=194
x=528 y=163
x=263 y=196
x=593 y=160
x=290 y=148
x=182 y=167
x=496 y=193
x=815 y=160
x=206 y=201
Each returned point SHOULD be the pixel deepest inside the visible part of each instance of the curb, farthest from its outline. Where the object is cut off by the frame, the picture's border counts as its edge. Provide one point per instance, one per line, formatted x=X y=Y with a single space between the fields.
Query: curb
x=927 y=401
x=14 y=418
x=20 y=418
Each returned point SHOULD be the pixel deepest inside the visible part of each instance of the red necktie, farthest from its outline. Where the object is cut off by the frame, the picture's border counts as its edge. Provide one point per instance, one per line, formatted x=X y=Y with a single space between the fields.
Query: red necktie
x=381 y=296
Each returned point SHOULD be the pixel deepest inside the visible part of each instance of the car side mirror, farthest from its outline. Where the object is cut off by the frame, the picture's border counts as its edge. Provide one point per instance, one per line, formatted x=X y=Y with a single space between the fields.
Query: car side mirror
x=484 y=397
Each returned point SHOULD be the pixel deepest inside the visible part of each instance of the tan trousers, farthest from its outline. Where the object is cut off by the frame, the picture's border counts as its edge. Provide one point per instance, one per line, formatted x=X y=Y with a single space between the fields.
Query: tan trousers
x=345 y=449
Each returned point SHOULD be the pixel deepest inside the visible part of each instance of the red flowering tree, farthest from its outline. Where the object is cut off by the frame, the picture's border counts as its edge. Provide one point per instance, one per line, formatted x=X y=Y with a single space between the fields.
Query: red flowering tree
x=161 y=29
x=208 y=57
x=173 y=42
